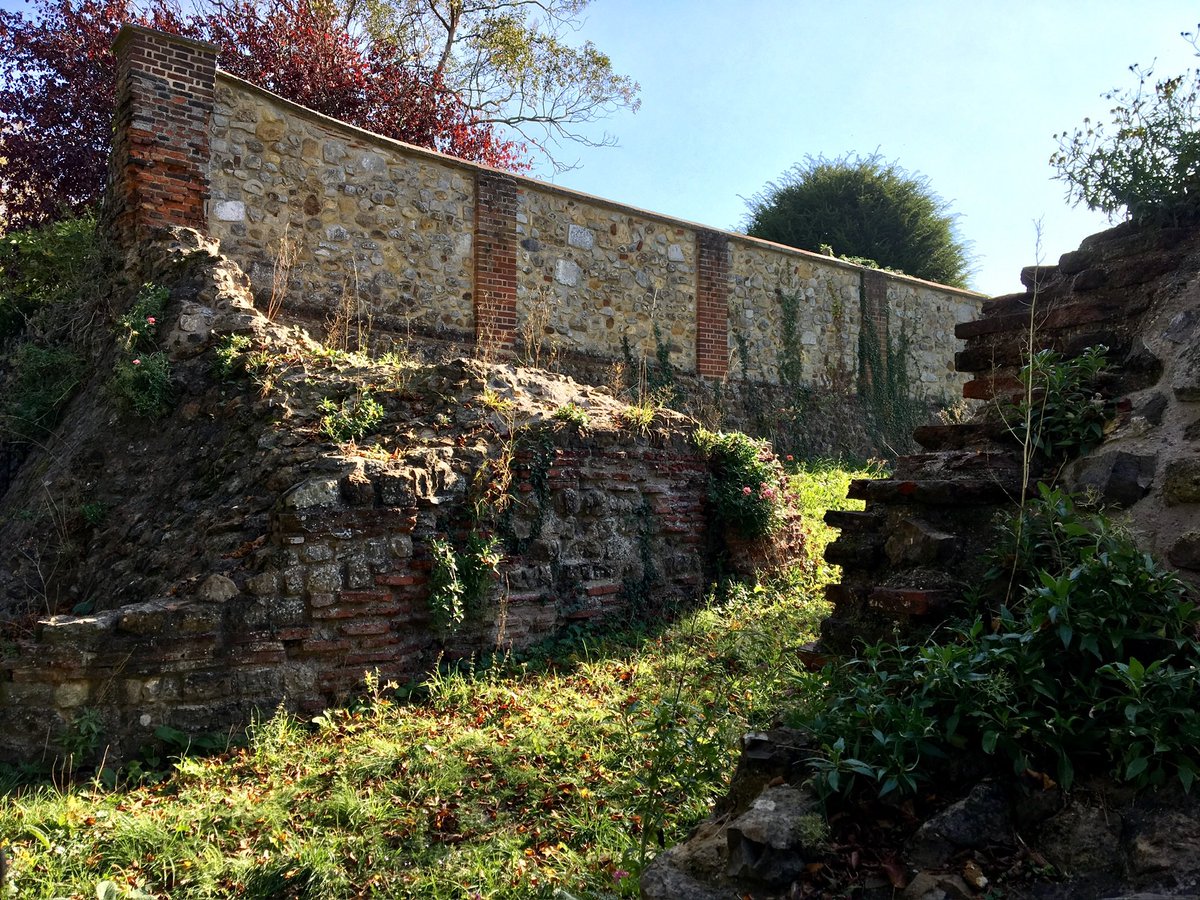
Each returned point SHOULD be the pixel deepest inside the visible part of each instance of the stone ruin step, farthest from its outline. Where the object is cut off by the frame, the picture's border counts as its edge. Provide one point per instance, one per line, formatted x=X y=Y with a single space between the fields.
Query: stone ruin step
x=855 y=549
x=851 y=520
x=929 y=491
x=961 y=437
x=909 y=602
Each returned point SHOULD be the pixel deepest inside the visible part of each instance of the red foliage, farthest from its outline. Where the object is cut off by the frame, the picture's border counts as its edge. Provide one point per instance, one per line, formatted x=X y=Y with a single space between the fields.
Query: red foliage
x=56 y=98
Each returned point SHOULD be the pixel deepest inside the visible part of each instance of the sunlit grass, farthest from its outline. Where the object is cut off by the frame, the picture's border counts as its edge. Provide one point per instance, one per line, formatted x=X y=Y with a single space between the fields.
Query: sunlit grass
x=563 y=770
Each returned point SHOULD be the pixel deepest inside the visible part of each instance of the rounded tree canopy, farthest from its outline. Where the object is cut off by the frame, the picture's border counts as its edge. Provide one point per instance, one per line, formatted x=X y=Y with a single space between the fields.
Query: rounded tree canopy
x=866 y=210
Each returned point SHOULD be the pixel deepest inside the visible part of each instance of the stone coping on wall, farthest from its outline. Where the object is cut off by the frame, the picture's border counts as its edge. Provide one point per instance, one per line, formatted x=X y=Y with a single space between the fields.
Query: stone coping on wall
x=524 y=181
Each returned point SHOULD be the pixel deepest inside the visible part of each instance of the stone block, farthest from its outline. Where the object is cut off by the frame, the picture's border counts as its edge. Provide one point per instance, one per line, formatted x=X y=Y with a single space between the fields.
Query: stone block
x=917 y=542
x=773 y=840
x=1181 y=482
x=230 y=211
x=979 y=820
x=583 y=238
x=1119 y=478
x=1185 y=552
x=315 y=492
x=567 y=271
x=217 y=589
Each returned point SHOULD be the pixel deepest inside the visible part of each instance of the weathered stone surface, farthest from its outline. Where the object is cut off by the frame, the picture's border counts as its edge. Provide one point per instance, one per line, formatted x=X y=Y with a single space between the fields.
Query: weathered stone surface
x=1119 y=478
x=217 y=589
x=776 y=837
x=1186 y=381
x=980 y=819
x=315 y=492
x=395 y=228
x=915 y=542
x=1181 y=481
x=1152 y=408
x=1185 y=552
x=1083 y=838
x=1163 y=837
x=690 y=870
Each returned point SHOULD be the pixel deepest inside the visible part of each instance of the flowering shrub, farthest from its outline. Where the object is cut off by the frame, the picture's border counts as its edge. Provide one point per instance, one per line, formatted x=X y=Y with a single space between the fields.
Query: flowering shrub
x=144 y=382
x=746 y=482
x=142 y=375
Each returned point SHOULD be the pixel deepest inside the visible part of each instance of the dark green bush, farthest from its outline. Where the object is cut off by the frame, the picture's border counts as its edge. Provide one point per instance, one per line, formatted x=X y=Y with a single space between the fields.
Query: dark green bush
x=43 y=267
x=1093 y=669
x=862 y=207
x=41 y=383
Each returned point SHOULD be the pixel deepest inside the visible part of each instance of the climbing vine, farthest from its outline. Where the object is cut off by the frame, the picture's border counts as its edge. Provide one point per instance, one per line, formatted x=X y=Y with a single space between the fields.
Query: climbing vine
x=885 y=385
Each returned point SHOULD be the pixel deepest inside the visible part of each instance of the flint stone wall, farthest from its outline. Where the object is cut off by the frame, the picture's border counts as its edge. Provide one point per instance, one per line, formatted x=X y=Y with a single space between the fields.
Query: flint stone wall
x=420 y=242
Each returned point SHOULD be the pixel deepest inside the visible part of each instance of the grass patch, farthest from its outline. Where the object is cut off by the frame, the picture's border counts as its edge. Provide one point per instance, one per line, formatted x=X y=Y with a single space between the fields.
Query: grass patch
x=560 y=770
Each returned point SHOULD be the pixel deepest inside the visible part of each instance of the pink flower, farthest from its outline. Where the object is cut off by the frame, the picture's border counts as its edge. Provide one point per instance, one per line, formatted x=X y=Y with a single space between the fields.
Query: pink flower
x=619 y=874
x=137 y=362
x=747 y=491
x=149 y=320
x=790 y=457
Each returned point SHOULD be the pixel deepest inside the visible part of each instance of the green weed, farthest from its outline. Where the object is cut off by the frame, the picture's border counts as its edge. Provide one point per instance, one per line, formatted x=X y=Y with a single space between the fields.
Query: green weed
x=352 y=418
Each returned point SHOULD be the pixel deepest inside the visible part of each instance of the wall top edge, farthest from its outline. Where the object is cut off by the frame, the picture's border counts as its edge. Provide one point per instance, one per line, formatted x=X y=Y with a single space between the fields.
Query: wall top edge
x=525 y=181
x=128 y=30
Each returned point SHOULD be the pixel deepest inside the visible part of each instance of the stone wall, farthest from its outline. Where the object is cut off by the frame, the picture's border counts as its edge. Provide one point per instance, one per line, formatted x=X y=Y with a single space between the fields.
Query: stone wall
x=419 y=242
x=242 y=558
x=917 y=551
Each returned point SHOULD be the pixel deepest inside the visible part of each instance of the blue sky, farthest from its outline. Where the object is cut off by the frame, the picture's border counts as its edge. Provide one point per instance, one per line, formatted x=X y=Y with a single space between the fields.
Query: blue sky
x=966 y=93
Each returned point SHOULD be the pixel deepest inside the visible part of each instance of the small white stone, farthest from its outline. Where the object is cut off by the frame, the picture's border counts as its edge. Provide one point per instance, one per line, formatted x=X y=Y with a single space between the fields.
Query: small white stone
x=583 y=238
x=230 y=211
x=144 y=720
x=567 y=271
x=372 y=163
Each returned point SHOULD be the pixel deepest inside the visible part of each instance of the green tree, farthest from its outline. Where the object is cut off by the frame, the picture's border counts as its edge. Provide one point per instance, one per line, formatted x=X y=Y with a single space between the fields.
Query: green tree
x=509 y=61
x=864 y=209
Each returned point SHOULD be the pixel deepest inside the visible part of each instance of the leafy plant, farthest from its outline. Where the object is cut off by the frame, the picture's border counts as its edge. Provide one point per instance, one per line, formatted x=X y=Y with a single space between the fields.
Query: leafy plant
x=639 y=417
x=351 y=419
x=446 y=606
x=142 y=374
x=573 y=415
x=139 y=324
x=144 y=383
x=1065 y=414
x=45 y=267
x=493 y=400
x=94 y=513
x=1088 y=671
x=1146 y=161
x=459 y=582
x=230 y=352
x=83 y=735
x=746 y=485
x=478 y=567
x=43 y=380
x=885 y=385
